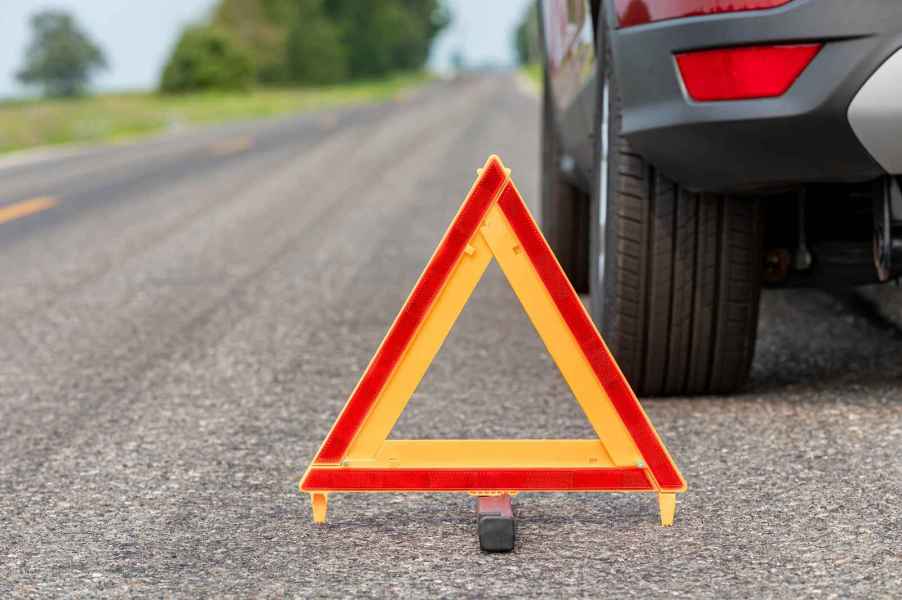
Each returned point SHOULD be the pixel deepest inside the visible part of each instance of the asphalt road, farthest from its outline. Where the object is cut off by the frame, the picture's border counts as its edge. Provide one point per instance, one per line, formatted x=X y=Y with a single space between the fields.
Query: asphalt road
x=183 y=318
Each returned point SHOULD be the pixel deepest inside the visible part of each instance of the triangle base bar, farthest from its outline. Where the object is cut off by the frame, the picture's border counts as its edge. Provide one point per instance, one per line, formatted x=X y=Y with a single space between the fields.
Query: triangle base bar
x=339 y=479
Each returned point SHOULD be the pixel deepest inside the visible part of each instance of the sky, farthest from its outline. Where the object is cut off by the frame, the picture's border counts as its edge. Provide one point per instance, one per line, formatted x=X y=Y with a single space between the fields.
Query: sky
x=137 y=35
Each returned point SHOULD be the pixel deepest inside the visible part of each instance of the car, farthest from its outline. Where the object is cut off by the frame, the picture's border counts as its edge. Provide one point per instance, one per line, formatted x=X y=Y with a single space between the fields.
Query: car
x=694 y=151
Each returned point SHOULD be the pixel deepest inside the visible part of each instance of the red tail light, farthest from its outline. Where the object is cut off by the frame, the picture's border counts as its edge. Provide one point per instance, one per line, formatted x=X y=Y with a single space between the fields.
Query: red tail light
x=637 y=12
x=743 y=73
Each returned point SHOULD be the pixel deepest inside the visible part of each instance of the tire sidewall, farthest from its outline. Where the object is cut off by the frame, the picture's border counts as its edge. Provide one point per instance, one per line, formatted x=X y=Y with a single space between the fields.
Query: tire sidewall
x=601 y=283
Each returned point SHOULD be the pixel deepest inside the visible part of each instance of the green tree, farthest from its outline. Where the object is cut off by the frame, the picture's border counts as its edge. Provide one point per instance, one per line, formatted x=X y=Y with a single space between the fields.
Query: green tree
x=207 y=58
x=60 y=56
x=526 y=37
x=260 y=27
x=313 y=50
x=387 y=35
x=316 y=41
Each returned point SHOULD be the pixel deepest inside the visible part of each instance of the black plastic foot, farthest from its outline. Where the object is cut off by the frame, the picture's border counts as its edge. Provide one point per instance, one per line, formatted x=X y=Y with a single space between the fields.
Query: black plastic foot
x=495 y=520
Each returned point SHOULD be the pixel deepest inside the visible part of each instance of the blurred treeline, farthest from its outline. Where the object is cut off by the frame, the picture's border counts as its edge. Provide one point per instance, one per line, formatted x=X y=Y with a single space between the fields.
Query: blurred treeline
x=526 y=37
x=291 y=42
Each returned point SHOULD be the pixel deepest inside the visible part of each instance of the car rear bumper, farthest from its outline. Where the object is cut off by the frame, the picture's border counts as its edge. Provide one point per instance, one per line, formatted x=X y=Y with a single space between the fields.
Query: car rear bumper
x=804 y=135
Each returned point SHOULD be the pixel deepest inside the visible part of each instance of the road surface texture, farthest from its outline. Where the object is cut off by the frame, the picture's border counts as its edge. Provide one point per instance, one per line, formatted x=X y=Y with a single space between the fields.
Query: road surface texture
x=183 y=318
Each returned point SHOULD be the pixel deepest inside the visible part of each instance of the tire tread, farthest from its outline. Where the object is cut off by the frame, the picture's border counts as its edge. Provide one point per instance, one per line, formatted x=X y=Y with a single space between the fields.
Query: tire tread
x=685 y=307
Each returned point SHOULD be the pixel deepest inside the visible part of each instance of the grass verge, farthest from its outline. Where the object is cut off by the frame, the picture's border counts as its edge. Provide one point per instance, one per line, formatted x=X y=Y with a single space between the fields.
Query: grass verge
x=27 y=124
x=533 y=72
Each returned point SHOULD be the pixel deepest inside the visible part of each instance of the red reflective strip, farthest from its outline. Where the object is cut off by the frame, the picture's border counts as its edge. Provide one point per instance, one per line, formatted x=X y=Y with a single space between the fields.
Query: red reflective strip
x=412 y=314
x=574 y=314
x=637 y=12
x=474 y=480
x=743 y=73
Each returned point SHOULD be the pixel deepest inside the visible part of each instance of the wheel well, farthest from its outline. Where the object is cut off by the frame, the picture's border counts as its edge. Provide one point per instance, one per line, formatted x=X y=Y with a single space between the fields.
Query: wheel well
x=595 y=6
x=820 y=235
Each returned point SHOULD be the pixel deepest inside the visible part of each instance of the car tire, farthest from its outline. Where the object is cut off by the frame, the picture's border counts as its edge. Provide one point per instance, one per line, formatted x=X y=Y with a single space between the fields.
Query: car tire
x=676 y=274
x=565 y=208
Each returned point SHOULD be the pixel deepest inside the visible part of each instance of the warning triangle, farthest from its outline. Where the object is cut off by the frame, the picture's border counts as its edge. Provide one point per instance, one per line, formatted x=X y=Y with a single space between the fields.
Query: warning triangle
x=627 y=455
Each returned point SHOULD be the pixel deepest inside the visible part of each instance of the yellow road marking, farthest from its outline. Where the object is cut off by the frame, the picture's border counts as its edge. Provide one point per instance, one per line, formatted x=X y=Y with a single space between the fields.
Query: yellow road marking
x=26 y=207
x=232 y=146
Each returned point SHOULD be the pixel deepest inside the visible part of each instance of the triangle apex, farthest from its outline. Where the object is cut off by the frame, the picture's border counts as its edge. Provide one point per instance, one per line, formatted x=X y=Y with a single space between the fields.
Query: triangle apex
x=494 y=158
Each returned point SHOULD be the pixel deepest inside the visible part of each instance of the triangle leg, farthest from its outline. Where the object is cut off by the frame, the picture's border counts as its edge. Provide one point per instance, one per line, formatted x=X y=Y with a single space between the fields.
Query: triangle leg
x=667 y=504
x=320 y=506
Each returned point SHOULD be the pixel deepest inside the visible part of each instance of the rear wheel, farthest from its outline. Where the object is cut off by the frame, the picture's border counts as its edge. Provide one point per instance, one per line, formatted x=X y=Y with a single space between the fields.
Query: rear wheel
x=675 y=275
x=565 y=208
